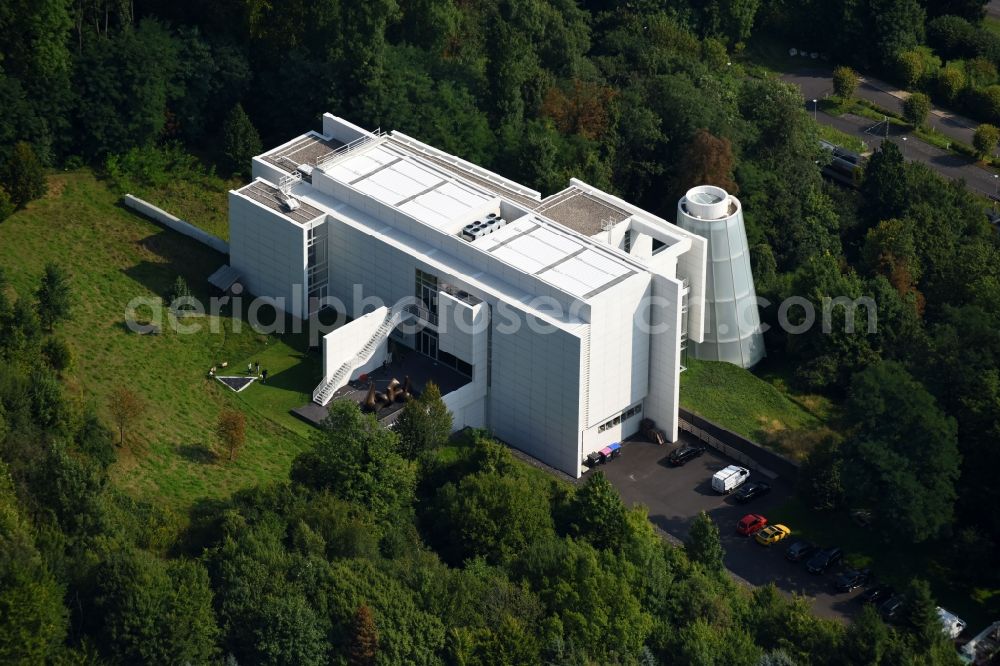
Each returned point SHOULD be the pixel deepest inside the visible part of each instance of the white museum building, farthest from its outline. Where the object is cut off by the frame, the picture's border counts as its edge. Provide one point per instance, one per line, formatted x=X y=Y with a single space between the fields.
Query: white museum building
x=566 y=317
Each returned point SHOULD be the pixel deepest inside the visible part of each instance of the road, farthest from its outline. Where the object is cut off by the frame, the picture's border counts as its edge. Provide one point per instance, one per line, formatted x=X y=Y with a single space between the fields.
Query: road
x=674 y=496
x=816 y=84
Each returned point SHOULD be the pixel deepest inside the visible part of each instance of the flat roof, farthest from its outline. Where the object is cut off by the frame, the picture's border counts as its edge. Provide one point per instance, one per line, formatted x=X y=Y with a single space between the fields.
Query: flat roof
x=266 y=194
x=476 y=176
x=392 y=176
x=581 y=212
x=306 y=149
x=538 y=248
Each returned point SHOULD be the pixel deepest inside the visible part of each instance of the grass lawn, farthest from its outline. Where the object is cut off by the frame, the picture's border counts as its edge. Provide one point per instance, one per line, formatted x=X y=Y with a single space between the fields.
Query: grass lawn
x=842 y=139
x=203 y=201
x=893 y=563
x=755 y=407
x=114 y=256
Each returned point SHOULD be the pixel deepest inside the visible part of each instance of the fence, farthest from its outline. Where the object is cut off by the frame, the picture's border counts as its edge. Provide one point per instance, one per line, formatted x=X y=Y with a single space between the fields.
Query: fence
x=747 y=453
x=175 y=223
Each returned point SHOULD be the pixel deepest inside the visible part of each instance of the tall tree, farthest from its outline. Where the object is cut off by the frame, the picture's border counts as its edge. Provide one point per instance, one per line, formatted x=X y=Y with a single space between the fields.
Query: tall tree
x=884 y=186
x=901 y=460
x=356 y=459
x=23 y=176
x=241 y=143
x=985 y=140
x=425 y=423
x=598 y=513
x=53 y=296
x=152 y=611
x=364 y=638
x=32 y=615
x=703 y=544
x=708 y=160
x=231 y=429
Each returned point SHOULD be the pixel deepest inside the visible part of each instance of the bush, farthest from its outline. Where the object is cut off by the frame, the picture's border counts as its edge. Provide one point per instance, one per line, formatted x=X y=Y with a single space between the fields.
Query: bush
x=57 y=354
x=985 y=140
x=845 y=82
x=914 y=65
x=949 y=82
x=151 y=166
x=915 y=109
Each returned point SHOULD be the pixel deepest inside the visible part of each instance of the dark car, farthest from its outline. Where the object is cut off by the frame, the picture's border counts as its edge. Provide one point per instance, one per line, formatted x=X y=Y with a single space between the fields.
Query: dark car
x=876 y=595
x=750 y=491
x=851 y=579
x=892 y=609
x=685 y=454
x=824 y=559
x=799 y=551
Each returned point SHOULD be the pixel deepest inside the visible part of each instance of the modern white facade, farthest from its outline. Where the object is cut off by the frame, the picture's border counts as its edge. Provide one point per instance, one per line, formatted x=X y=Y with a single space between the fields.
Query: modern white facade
x=567 y=314
x=732 y=322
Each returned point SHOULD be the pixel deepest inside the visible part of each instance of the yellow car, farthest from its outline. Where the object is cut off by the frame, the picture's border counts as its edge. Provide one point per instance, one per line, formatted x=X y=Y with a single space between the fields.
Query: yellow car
x=772 y=534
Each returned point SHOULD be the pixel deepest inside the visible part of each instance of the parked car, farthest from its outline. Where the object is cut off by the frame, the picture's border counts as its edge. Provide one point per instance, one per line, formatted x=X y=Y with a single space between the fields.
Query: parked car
x=892 y=609
x=851 y=579
x=751 y=491
x=876 y=595
x=824 y=559
x=750 y=523
x=729 y=479
x=799 y=551
x=685 y=454
x=771 y=534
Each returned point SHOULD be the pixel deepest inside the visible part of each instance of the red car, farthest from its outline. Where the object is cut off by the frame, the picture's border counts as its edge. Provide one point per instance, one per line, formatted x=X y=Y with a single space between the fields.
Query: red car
x=750 y=523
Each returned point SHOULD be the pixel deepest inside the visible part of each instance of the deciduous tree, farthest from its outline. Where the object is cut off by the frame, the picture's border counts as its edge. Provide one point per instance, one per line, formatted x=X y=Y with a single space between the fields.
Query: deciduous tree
x=231 y=430
x=126 y=409
x=425 y=423
x=901 y=460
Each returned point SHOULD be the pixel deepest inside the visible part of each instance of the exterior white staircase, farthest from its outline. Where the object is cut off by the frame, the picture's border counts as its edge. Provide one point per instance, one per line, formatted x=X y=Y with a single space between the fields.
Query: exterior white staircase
x=329 y=386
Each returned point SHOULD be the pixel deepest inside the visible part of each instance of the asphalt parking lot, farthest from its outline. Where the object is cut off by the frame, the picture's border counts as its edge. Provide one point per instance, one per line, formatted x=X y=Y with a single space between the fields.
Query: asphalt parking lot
x=675 y=495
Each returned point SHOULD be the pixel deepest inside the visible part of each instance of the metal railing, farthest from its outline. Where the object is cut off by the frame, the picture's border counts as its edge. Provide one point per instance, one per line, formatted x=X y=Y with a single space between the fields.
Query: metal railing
x=332 y=158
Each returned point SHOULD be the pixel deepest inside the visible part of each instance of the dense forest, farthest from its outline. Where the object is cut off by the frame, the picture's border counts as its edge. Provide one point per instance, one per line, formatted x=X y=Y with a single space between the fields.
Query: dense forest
x=473 y=560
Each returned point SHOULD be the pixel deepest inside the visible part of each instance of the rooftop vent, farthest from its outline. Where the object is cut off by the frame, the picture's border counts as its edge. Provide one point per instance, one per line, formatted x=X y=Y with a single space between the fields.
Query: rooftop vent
x=482 y=227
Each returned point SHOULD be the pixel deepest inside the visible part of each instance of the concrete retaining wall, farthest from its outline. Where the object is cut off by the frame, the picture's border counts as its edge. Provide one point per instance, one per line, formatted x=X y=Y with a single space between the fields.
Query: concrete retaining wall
x=161 y=216
x=747 y=453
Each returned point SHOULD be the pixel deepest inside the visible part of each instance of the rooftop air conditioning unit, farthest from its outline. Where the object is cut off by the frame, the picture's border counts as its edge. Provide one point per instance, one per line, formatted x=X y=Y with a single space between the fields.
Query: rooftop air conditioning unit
x=291 y=203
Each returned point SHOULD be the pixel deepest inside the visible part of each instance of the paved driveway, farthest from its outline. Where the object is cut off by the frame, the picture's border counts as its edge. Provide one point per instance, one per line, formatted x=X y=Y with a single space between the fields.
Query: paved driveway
x=674 y=496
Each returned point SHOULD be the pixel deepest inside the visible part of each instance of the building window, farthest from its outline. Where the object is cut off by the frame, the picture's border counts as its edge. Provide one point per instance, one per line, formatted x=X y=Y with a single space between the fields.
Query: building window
x=427 y=291
x=627 y=241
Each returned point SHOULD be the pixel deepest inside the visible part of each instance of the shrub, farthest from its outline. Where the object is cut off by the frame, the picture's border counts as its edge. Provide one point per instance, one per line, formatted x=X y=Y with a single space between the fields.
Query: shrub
x=915 y=109
x=57 y=354
x=949 y=82
x=985 y=140
x=845 y=82
x=6 y=205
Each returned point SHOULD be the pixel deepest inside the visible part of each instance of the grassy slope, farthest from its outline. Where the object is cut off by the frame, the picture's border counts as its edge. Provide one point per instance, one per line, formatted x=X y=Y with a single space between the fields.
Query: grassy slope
x=741 y=401
x=203 y=203
x=115 y=256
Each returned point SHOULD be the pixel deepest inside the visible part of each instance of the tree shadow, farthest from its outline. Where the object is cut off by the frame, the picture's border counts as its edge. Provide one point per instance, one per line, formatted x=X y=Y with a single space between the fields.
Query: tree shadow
x=197 y=453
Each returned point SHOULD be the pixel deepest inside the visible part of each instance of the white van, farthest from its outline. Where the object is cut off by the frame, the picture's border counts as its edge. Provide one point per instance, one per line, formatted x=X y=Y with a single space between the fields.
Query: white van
x=953 y=625
x=729 y=479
